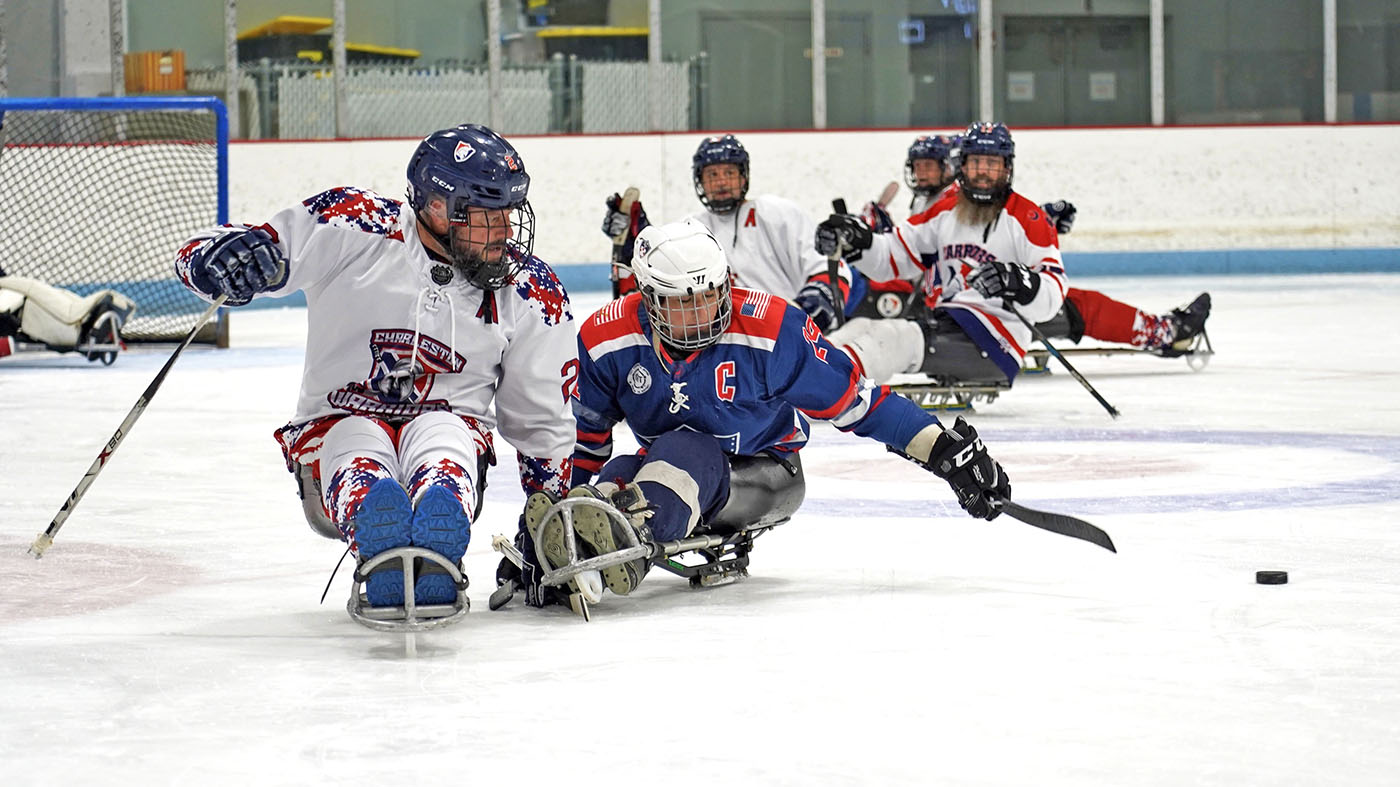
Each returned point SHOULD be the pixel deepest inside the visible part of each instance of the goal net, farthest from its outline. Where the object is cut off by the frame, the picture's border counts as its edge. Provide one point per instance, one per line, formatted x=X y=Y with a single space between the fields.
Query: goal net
x=99 y=193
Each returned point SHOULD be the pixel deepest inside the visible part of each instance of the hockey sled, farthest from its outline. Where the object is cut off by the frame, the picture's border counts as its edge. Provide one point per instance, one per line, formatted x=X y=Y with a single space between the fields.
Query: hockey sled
x=1197 y=354
x=409 y=616
x=709 y=558
x=954 y=397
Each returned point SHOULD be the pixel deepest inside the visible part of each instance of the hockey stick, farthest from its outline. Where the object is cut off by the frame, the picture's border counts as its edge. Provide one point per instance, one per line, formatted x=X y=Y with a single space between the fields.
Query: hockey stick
x=1112 y=411
x=45 y=539
x=887 y=195
x=1055 y=523
x=629 y=197
x=833 y=266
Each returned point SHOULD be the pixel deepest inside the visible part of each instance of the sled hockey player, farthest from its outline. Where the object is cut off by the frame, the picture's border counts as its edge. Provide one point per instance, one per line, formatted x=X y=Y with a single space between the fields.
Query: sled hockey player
x=929 y=172
x=980 y=252
x=768 y=239
x=928 y=169
x=419 y=316
x=719 y=384
x=60 y=320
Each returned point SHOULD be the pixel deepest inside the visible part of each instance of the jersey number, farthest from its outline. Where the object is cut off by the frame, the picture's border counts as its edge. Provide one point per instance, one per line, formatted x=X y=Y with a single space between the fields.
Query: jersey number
x=812 y=334
x=569 y=372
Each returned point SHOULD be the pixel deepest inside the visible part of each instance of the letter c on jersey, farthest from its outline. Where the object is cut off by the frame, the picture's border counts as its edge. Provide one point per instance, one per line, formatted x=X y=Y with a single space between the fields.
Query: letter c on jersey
x=724 y=372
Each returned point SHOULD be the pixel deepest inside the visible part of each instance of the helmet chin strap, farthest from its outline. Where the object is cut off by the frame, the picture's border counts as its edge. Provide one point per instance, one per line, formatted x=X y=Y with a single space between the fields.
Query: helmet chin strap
x=444 y=241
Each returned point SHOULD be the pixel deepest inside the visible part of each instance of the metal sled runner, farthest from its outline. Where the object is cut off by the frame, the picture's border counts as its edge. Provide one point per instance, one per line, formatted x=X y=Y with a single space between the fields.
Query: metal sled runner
x=708 y=559
x=409 y=616
x=1197 y=354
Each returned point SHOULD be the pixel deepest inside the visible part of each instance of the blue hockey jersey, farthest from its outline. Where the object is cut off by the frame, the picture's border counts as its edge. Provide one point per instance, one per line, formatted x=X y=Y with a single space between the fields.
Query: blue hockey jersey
x=756 y=390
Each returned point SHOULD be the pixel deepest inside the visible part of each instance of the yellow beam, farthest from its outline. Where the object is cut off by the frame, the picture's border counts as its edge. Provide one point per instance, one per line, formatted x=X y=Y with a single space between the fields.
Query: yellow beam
x=287 y=24
x=585 y=31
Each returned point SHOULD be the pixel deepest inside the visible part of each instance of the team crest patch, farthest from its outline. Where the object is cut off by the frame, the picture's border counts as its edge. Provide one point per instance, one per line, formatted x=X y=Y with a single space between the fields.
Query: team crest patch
x=639 y=379
x=462 y=152
x=643 y=247
x=889 y=305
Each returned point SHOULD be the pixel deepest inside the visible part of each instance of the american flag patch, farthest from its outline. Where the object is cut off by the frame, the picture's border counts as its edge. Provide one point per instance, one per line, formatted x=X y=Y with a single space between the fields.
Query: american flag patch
x=755 y=304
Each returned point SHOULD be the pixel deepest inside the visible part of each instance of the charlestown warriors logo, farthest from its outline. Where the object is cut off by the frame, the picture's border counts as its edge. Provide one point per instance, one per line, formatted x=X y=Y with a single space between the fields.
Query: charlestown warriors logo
x=400 y=380
x=639 y=379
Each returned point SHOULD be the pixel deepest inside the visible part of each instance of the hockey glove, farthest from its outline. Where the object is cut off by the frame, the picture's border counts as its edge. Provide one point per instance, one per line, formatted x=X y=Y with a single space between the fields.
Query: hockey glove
x=240 y=264
x=527 y=576
x=959 y=458
x=1061 y=214
x=876 y=217
x=844 y=234
x=629 y=223
x=820 y=304
x=1006 y=280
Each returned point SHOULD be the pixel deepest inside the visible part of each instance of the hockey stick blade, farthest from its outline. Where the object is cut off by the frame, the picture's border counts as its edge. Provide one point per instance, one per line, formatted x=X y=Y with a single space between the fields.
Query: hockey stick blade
x=1057 y=523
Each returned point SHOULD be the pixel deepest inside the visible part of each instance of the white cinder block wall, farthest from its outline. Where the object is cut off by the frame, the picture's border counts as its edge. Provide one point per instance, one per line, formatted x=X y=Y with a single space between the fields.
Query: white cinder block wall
x=1322 y=187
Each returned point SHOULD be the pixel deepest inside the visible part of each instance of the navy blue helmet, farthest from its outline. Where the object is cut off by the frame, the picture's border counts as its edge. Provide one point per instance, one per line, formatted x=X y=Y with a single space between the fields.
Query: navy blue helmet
x=934 y=148
x=720 y=150
x=471 y=166
x=986 y=139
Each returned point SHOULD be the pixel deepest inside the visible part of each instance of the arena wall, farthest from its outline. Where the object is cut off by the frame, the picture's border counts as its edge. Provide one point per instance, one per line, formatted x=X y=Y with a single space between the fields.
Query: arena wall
x=1151 y=201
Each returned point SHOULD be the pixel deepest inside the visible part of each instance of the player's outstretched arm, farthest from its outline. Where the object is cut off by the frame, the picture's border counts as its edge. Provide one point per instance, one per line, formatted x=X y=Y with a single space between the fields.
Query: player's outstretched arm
x=237 y=263
x=957 y=456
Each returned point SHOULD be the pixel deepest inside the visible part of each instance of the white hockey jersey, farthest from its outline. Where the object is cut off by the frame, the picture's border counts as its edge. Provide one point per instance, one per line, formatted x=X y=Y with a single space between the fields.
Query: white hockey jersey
x=379 y=306
x=942 y=252
x=771 y=245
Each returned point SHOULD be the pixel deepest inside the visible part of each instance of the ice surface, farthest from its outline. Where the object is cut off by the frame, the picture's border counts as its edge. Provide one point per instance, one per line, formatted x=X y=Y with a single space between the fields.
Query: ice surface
x=172 y=635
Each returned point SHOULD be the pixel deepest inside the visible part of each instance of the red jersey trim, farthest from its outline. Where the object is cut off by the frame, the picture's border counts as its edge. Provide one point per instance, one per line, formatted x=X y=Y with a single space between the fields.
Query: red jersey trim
x=757 y=314
x=613 y=321
x=1033 y=220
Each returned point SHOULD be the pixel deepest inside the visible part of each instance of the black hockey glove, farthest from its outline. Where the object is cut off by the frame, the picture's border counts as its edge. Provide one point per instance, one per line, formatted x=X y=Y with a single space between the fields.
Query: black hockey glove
x=1006 y=280
x=843 y=234
x=528 y=575
x=818 y=301
x=959 y=458
x=240 y=264
x=1061 y=213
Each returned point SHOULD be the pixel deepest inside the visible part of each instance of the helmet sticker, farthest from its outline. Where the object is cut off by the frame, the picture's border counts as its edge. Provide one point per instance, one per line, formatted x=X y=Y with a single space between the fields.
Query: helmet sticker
x=463 y=152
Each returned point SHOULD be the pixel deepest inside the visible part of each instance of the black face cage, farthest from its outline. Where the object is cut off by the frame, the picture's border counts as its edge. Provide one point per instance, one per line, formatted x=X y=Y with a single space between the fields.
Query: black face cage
x=997 y=193
x=495 y=266
x=674 y=335
x=913 y=182
x=722 y=206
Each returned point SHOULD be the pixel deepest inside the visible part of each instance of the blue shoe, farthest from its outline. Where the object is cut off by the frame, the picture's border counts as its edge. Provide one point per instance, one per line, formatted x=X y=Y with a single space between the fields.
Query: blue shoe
x=382 y=523
x=442 y=526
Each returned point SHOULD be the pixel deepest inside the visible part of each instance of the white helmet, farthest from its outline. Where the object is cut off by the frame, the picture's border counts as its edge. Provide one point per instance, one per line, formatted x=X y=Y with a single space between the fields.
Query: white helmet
x=683 y=261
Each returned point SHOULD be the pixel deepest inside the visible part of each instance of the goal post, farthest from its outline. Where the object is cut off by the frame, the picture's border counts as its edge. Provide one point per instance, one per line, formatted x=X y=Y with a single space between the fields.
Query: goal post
x=99 y=193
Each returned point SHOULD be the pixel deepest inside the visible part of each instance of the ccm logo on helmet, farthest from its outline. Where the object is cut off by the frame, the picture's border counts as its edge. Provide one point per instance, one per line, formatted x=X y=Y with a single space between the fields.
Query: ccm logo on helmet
x=463 y=151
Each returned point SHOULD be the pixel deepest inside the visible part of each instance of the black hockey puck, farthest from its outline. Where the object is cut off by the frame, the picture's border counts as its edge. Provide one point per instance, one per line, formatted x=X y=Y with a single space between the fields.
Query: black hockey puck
x=1271 y=577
